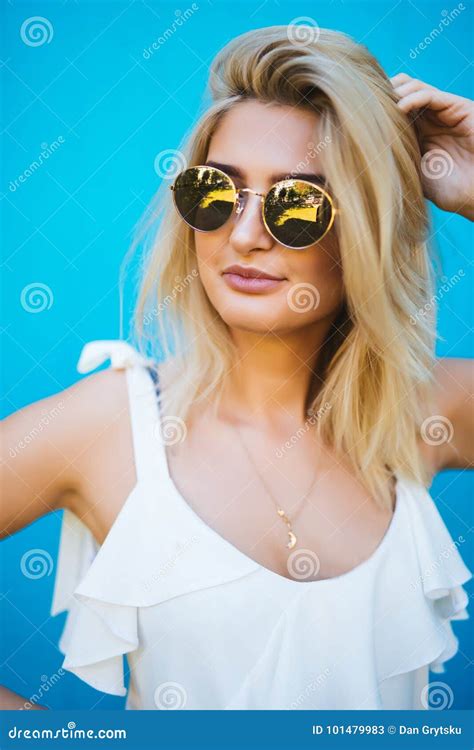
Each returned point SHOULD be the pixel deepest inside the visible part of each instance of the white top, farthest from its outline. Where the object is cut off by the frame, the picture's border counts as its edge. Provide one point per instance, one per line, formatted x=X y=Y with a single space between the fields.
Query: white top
x=206 y=627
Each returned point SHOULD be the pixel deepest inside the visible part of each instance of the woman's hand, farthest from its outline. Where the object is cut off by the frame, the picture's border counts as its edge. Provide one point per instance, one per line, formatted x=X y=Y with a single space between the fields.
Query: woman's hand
x=444 y=124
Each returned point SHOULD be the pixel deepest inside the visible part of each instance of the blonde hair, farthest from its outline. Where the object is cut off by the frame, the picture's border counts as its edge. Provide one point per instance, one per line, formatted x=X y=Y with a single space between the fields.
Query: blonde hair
x=375 y=368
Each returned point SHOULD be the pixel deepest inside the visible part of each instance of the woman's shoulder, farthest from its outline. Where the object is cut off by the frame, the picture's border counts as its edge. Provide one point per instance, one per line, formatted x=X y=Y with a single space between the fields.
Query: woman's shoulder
x=108 y=401
x=116 y=416
x=95 y=430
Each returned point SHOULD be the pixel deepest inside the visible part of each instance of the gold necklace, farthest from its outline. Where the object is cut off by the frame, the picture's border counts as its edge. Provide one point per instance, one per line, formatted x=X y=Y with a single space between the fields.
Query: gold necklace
x=292 y=538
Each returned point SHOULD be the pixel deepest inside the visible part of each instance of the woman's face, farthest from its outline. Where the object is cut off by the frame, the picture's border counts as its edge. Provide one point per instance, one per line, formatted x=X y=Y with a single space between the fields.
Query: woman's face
x=257 y=145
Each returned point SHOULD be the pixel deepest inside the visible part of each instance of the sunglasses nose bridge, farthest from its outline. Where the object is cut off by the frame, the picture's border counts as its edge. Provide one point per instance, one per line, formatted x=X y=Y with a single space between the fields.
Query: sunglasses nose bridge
x=240 y=201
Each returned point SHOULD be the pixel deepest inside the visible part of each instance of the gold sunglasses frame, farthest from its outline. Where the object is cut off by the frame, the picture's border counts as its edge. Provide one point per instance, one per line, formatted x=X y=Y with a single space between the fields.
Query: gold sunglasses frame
x=239 y=207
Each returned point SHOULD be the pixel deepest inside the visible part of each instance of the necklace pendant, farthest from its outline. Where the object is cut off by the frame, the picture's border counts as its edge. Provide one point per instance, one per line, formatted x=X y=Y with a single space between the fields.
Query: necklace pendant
x=291 y=537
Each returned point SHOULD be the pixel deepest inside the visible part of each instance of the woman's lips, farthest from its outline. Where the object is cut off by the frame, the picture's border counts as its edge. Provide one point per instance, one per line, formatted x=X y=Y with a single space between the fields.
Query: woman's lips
x=250 y=283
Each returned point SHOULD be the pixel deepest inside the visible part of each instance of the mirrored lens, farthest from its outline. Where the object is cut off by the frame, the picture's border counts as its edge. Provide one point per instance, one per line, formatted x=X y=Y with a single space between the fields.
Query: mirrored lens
x=205 y=197
x=297 y=213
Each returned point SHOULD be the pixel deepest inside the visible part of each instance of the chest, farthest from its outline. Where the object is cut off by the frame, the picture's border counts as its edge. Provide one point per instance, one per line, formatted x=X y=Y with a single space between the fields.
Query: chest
x=238 y=493
x=337 y=521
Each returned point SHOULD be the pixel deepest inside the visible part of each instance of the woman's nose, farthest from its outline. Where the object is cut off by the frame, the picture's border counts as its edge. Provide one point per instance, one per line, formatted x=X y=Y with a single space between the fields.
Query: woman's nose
x=248 y=230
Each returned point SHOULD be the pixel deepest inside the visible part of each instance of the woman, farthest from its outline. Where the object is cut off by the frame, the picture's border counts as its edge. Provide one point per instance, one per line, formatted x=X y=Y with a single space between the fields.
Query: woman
x=249 y=519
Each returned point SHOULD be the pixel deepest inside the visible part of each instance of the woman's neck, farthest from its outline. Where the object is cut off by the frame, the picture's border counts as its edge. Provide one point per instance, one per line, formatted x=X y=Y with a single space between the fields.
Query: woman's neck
x=272 y=373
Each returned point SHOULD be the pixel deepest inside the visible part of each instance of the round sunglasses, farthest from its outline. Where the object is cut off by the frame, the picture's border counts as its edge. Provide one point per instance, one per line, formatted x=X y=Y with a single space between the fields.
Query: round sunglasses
x=296 y=213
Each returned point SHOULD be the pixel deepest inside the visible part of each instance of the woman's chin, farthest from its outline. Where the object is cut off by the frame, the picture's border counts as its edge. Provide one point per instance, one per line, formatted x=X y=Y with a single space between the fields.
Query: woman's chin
x=257 y=319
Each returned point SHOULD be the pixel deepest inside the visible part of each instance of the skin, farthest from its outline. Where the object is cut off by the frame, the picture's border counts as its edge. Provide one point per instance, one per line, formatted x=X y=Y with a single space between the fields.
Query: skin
x=89 y=469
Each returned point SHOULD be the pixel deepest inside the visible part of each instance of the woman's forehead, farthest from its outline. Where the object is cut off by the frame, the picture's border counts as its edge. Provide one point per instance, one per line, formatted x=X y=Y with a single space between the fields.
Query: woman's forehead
x=267 y=139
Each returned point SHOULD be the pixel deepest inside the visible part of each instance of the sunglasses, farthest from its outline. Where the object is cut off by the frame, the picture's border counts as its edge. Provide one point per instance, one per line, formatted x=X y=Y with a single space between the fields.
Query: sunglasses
x=296 y=213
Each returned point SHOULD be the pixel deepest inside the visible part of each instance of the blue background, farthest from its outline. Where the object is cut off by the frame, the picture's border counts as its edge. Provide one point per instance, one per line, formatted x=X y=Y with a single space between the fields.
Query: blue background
x=70 y=224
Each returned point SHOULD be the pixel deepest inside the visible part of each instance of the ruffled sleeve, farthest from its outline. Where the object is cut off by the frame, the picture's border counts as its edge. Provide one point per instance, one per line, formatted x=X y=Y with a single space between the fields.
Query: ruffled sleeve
x=418 y=591
x=96 y=633
x=442 y=572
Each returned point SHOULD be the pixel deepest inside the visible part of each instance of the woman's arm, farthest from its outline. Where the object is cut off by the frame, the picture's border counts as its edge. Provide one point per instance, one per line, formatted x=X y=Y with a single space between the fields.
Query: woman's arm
x=54 y=450
x=10 y=701
x=455 y=397
x=55 y=454
x=38 y=470
x=444 y=124
x=41 y=467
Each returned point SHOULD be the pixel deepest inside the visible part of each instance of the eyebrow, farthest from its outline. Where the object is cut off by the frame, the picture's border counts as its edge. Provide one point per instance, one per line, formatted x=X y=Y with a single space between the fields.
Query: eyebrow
x=236 y=172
